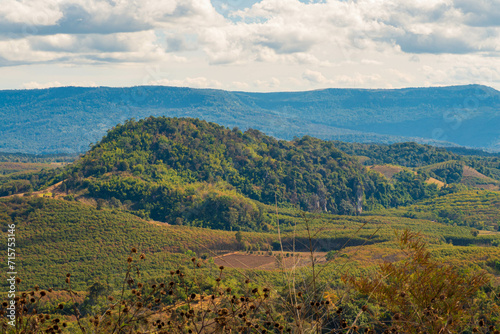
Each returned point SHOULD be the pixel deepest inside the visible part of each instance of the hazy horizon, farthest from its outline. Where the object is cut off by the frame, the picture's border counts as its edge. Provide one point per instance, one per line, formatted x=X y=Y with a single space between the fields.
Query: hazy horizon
x=254 y=91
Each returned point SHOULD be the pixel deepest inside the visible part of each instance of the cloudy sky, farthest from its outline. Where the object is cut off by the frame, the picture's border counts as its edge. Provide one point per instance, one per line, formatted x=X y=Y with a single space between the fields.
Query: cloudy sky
x=252 y=45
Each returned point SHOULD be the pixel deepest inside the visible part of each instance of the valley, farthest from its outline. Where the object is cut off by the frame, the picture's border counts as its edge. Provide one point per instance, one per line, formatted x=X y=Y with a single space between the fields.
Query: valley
x=182 y=190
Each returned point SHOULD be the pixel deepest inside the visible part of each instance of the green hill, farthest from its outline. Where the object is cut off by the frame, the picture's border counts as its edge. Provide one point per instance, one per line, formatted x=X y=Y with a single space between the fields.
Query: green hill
x=402 y=154
x=187 y=170
x=473 y=168
x=457 y=171
x=190 y=172
x=474 y=208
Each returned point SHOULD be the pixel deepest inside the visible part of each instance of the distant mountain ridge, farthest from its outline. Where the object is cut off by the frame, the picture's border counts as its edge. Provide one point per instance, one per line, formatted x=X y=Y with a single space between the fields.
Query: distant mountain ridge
x=68 y=119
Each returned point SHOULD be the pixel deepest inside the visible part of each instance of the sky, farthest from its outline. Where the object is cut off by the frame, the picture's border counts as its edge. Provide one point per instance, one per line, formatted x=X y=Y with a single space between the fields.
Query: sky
x=249 y=45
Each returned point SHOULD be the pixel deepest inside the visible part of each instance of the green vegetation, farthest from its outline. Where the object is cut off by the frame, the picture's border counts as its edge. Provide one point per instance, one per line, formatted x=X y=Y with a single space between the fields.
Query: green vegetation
x=444 y=164
x=14 y=167
x=412 y=294
x=37 y=159
x=402 y=154
x=21 y=173
x=421 y=293
x=478 y=209
x=57 y=236
x=90 y=243
x=185 y=171
x=25 y=182
x=202 y=174
x=186 y=194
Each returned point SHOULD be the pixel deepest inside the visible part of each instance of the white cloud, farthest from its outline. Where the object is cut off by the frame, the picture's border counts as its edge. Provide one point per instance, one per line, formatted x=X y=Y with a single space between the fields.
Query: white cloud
x=30 y=13
x=271 y=83
x=238 y=85
x=371 y=62
x=358 y=80
x=318 y=43
x=79 y=31
x=37 y=85
x=315 y=77
x=399 y=76
x=344 y=80
x=198 y=82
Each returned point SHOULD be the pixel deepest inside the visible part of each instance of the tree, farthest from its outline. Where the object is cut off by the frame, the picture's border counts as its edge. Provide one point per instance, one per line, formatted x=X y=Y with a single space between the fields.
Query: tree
x=63 y=187
x=100 y=204
x=96 y=299
x=115 y=202
x=239 y=238
x=123 y=165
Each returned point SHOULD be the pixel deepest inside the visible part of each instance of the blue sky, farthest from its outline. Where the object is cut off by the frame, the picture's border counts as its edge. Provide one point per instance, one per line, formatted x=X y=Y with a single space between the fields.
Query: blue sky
x=252 y=45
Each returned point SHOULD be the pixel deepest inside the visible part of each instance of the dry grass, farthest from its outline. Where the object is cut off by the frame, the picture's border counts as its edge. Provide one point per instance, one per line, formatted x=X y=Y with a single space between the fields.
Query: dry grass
x=51 y=191
x=469 y=171
x=432 y=180
x=387 y=170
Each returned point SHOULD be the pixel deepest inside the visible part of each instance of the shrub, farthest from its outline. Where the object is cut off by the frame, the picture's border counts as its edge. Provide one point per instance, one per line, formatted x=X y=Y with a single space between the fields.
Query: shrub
x=422 y=294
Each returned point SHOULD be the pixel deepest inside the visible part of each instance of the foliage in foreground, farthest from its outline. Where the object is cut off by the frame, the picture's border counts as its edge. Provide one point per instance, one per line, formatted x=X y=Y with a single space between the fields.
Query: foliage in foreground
x=422 y=294
x=414 y=295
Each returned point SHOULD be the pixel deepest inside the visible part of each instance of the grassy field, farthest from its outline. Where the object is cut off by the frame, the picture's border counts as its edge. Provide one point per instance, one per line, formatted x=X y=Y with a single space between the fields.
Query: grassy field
x=474 y=208
x=55 y=236
x=23 y=167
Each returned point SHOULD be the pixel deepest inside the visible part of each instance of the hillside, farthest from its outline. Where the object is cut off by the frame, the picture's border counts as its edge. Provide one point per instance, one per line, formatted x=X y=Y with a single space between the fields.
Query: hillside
x=69 y=119
x=457 y=171
x=58 y=236
x=178 y=170
x=402 y=154
x=478 y=209
x=470 y=167
x=387 y=171
x=187 y=171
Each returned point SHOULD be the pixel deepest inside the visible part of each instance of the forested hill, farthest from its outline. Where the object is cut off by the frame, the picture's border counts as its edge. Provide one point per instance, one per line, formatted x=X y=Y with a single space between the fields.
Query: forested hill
x=68 y=119
x=187 y=171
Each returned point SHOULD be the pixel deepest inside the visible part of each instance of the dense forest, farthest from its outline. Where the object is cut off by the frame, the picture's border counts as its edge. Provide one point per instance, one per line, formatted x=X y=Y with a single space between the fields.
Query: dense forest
x=187 y=170
x=191 y=172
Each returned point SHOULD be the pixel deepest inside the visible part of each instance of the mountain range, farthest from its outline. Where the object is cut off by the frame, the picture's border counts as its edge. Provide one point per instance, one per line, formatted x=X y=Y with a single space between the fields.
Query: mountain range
x=68 y=119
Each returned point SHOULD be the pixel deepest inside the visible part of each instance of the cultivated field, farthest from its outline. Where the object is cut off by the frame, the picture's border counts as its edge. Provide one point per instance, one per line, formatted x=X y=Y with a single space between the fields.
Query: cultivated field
x=268 y=262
